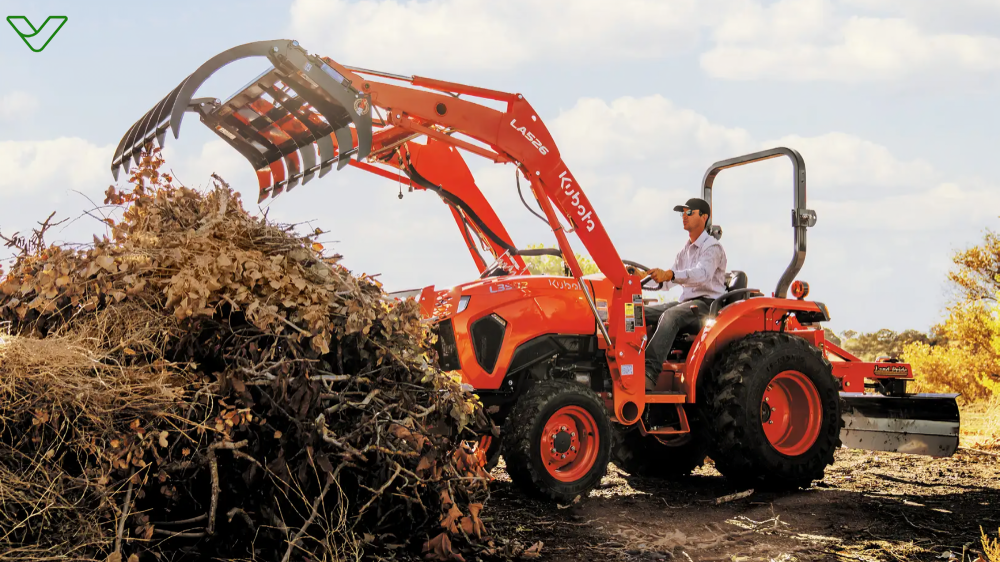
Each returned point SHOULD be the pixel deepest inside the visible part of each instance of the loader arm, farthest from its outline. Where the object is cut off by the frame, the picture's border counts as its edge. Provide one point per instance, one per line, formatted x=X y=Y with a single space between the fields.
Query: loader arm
x=306 y=105
x=449 y=176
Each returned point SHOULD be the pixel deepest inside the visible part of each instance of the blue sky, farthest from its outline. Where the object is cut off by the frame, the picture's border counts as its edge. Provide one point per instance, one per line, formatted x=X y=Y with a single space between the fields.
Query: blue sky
x=893 y=104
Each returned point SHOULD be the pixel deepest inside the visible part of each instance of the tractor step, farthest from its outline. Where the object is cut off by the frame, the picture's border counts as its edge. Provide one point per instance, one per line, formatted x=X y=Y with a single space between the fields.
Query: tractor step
x=666 y=397
x=917 y=424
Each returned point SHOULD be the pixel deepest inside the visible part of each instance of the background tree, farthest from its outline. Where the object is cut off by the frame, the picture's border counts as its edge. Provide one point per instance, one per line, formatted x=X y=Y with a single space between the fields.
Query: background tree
x=832 y=336
x=870 y=345
x=554 y=265
x=963 y=354
x=977 y=276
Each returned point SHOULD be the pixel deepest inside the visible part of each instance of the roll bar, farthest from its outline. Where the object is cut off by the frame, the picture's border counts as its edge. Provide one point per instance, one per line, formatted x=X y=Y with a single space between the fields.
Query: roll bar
x=802 y=217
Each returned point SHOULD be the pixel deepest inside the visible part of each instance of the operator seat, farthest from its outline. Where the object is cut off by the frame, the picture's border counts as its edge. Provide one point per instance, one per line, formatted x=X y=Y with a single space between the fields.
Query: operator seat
x=734 y=280
x=685 y=336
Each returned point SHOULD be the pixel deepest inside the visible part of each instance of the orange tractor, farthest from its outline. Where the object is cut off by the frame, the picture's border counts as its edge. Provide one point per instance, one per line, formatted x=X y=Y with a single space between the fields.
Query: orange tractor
x=558 y=361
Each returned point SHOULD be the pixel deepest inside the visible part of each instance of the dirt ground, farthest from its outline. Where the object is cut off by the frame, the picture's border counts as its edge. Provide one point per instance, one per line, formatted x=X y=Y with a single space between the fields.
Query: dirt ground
x=871 y=506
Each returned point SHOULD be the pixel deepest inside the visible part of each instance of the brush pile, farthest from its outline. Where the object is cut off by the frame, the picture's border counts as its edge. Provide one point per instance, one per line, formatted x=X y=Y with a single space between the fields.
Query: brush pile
x=203 y=384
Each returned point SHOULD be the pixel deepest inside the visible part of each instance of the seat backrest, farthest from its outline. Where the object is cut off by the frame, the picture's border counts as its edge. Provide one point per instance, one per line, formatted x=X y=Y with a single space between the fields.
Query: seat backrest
x=736 y=280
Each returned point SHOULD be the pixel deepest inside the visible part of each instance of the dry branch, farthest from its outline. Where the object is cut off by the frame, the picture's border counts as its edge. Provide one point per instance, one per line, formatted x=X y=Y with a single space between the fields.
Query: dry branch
x=193 y=328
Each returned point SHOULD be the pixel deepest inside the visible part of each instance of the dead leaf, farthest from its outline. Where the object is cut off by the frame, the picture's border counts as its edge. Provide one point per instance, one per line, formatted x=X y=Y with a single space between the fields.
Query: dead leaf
x=534 y=551
x=439 y=548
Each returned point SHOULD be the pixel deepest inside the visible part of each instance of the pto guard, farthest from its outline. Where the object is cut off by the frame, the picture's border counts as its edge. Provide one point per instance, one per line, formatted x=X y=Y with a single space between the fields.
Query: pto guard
x=278 y=121
x=917 y=424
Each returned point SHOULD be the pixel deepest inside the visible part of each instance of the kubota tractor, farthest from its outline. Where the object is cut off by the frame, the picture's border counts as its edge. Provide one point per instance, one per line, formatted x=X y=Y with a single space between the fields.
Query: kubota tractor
x=558 y=361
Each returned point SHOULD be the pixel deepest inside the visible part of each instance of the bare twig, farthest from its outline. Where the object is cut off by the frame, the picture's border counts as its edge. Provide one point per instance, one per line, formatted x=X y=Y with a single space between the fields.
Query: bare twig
x=734 y=497
x=312 y=516
x=378 y=493
x=237 y=511
x=201 y=517
x=214 y=465
x=175 y=534
x=125 y=509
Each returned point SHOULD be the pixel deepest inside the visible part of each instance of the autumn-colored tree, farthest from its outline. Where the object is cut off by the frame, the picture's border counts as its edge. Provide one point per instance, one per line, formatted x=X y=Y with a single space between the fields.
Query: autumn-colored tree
x=831 y=336
x=870 y=345
x=970 y=361
x=977 y=277
x=966 y=354
x=554 y=265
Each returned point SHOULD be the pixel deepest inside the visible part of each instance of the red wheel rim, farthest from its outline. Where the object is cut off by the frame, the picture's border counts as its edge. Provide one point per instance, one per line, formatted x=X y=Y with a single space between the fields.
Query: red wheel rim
x=791 y=413
x=569 y=443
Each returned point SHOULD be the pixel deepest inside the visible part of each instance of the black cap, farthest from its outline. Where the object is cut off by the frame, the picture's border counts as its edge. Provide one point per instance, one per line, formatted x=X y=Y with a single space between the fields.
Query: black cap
x=697 y=204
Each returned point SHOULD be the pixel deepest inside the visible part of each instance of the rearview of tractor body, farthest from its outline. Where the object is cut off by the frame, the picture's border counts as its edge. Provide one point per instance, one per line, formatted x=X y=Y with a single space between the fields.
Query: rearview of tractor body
x=558 y=361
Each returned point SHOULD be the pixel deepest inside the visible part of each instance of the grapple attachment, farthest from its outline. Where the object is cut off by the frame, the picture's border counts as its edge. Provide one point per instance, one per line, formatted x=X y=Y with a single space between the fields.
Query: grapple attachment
x=918 y=424
x=279 y=121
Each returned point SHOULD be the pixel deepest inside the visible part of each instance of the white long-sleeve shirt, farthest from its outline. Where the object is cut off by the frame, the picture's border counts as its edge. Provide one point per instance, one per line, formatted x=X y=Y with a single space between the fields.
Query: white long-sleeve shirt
x=700 y=267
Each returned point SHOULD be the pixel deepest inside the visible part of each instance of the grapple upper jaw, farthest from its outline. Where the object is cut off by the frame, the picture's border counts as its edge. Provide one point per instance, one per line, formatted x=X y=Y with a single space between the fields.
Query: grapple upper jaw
x=274 y=121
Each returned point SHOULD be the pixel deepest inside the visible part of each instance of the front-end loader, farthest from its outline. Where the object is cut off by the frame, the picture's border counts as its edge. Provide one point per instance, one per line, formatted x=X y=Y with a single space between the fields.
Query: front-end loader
x=558 y=361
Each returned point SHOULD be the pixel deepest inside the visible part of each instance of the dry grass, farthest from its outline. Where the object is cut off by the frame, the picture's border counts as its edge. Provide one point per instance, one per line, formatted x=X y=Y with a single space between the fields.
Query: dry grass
x=981 y=424
x=991 y=547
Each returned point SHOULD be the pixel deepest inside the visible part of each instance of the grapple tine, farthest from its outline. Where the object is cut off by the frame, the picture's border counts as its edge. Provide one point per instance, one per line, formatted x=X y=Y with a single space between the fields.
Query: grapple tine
x=278 y=177
x=119 y=156
x=292 y=165
x=325 y=145
x=264 y=183
x=273 y=121
x=345 y=142
x=919 y=424
x=308 y=153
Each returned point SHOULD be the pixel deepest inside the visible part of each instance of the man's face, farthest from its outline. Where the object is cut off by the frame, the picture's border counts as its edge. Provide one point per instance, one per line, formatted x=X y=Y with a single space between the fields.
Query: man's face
x=693 y=221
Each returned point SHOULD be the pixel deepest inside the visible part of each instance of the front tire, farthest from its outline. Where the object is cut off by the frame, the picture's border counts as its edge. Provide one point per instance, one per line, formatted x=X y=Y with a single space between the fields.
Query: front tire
x=649 y=457
x=557 y=440
x=775 y=416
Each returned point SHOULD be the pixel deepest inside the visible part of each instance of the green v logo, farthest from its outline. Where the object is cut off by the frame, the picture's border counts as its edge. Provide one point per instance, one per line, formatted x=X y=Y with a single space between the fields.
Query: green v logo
x=37 y=39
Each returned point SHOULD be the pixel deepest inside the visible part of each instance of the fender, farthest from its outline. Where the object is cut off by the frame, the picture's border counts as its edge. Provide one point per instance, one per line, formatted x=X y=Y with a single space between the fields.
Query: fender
x=761 y=314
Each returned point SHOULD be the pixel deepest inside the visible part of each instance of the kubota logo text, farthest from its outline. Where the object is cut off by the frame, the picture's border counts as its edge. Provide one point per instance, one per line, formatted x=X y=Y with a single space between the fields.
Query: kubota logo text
x=566 y=183
x=37 y=38
x=535 y=141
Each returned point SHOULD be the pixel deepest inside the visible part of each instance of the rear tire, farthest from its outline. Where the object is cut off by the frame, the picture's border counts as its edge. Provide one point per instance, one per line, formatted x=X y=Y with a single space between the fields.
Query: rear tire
x=786 y=447
x=552 y=419
x=648 y=457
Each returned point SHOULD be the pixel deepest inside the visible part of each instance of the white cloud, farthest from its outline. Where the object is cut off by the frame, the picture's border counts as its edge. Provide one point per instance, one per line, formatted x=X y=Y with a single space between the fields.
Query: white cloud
x=792 y=40
x=650 y=128
x=17 y=105
x=842 y=166
x=53 y=165
x=409 y=36
x=826 y=40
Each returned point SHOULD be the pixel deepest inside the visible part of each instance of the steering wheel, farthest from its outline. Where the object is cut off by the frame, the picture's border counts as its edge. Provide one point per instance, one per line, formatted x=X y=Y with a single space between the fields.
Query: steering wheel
x=644 y=268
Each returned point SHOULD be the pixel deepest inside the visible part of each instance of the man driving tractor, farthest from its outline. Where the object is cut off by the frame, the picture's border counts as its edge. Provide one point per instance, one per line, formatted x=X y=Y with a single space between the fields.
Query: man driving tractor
x=700 y=267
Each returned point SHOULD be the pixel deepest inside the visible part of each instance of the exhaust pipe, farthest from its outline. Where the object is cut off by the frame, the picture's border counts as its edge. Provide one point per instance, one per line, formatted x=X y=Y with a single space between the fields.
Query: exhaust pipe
x=916 y=424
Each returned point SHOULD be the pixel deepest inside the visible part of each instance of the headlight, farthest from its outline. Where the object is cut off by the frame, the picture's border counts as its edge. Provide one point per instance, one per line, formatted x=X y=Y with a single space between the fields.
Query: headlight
x=800 y=289
x=463 y=303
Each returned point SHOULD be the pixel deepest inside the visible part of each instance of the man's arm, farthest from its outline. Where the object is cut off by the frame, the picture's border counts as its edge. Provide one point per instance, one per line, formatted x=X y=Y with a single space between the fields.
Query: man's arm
x=707 y=264
x=658 y=273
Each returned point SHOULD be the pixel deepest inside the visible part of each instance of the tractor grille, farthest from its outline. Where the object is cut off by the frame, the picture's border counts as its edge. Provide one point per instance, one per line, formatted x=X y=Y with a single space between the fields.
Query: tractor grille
x=446 y=348
x=487 y=337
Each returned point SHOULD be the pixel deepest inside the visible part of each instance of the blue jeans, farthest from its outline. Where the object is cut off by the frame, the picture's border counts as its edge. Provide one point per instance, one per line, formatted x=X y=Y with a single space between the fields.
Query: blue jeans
x=669 y=319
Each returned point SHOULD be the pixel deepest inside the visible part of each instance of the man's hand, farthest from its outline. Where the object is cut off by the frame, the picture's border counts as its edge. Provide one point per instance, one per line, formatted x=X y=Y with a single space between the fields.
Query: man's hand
x=661 y=276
